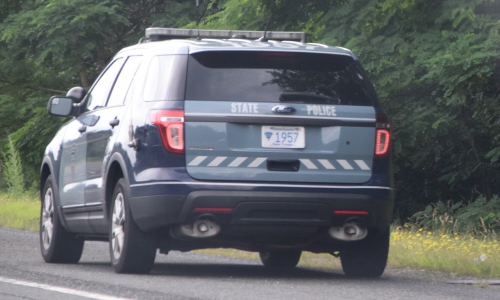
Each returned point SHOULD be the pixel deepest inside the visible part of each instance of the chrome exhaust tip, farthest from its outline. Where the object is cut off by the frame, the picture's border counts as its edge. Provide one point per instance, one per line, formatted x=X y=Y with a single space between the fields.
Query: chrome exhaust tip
x=348 y=232
x=201 y=228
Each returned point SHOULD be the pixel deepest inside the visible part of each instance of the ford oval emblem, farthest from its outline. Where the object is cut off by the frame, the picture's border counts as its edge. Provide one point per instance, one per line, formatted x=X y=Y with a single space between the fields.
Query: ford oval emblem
x=283 y=109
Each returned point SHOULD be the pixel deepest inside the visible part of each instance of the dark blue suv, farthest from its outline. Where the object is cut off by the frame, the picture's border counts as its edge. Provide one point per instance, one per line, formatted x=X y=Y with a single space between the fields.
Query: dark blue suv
x=197 y=139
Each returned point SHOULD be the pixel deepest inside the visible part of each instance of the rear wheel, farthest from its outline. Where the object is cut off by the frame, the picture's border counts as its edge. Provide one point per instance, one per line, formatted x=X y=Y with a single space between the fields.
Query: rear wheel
x=131 y=250
x=56 y=244
x=280 y=258
x=368 y=257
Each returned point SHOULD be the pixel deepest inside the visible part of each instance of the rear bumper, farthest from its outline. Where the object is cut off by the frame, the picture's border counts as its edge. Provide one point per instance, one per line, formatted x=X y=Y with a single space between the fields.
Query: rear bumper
x=159 y=205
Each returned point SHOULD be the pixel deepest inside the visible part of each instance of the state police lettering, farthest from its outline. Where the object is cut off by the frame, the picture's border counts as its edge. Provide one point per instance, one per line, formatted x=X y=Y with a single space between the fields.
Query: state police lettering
x=321 y=110
x=239 y=107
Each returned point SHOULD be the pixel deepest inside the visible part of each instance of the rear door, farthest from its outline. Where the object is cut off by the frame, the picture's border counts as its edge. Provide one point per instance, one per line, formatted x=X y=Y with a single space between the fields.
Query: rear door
x=107 y=109
x=278 y=116
x=101 y=136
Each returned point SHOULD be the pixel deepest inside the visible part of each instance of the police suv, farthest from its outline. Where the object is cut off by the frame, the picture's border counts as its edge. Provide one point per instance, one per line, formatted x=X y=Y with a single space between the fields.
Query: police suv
x=198 y=139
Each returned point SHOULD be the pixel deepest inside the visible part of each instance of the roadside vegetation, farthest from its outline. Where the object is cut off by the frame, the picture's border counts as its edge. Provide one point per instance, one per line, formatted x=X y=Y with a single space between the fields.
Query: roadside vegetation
x=19 y=208
x=19 y=212
x=452 y=253
x=454 y=238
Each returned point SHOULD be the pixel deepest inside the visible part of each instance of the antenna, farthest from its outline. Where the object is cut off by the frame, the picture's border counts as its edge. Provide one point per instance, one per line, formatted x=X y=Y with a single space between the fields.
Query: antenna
x=198 y=38
x=264 y=38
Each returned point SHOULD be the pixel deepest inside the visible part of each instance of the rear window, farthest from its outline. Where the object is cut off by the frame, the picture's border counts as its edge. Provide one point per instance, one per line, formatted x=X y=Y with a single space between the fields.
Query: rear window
x=259 y=76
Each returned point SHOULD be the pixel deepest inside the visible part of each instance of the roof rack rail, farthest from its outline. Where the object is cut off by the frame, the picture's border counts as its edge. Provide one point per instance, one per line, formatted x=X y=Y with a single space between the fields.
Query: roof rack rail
x=161 y=34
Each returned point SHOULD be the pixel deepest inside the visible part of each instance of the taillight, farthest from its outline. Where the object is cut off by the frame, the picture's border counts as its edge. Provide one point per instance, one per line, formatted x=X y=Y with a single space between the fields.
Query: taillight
x=171 y=126
x=213 y=209
x=382 y=136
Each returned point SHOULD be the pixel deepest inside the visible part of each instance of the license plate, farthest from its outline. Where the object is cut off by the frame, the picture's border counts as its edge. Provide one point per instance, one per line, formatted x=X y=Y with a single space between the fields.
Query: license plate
x=283 y=137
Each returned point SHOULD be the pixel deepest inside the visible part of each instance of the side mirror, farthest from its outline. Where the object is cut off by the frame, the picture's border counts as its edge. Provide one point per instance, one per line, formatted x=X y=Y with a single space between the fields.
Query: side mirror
x=60 y=106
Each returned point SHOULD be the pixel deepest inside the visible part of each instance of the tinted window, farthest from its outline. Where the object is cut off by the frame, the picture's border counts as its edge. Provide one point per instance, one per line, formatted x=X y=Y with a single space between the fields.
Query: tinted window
x=166 y=78
x=122 y=84
x=277 y=76
x=99 y=93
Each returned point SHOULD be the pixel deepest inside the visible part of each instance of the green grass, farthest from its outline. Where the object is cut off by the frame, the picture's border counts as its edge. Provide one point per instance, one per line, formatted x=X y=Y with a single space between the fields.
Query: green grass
x=414 y=249
x=452 y=253
x=19 y=213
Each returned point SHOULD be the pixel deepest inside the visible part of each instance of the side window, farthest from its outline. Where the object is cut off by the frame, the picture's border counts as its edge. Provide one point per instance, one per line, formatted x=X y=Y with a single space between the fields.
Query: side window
x=166 y=78
x=99 y=94
x=122 y=84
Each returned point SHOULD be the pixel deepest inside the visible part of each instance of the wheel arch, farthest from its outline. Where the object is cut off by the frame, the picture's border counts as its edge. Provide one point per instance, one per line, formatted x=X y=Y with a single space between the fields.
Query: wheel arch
x=46 y=170
x=44 y=174
x=116 y=170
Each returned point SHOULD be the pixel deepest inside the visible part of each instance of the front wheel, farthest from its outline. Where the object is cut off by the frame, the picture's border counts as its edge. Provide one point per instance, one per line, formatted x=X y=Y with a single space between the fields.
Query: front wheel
x=131 y=250
x=56 y=244
x=283 y=259
x=368 y=257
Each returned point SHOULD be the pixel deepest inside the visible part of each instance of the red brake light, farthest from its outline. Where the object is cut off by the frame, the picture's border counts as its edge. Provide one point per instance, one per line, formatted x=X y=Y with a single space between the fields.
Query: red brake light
x=382 y=143
x=171 y=126
x=213 y=209
x=382 y=136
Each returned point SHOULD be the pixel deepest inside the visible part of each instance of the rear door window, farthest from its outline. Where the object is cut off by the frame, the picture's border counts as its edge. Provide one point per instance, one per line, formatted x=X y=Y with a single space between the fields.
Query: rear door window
x=166 y=78
x=122 y=84
x=261 y=76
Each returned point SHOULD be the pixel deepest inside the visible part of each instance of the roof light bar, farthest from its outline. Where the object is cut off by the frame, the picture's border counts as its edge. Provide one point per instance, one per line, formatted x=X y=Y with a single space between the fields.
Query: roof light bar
x=160 y=34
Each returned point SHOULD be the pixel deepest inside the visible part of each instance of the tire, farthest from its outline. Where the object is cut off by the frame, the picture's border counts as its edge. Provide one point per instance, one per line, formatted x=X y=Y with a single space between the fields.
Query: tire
x=130 y=249
x=56 y=244
x=282 y=259
x=368 y=257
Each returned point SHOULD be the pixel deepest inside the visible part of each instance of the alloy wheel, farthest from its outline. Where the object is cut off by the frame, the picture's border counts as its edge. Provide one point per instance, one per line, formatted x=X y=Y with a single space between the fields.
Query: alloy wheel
x=47 y=218
x=118 y=223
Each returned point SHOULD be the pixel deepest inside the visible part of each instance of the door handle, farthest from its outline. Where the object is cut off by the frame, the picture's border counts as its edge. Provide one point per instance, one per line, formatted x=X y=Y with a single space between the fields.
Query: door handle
x=82 y=128
x=114 y=122
x=134 y=144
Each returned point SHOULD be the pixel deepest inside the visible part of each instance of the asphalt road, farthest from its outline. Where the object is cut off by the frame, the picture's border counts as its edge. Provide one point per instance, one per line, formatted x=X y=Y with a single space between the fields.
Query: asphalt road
x=24 y=275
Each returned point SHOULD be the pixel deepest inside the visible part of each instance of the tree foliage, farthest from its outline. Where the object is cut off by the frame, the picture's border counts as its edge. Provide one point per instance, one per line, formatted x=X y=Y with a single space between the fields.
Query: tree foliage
x=49 y=46
x=435 y=65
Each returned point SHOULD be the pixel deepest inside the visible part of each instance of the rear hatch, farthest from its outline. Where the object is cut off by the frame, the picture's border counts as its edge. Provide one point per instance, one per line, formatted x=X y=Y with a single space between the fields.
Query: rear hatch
x=278 y=116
